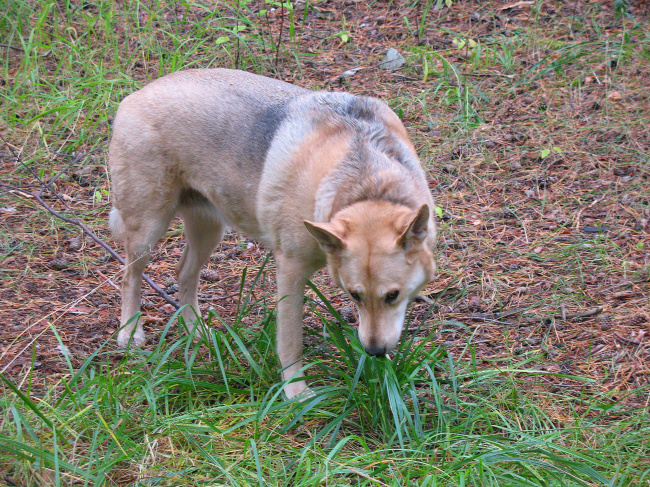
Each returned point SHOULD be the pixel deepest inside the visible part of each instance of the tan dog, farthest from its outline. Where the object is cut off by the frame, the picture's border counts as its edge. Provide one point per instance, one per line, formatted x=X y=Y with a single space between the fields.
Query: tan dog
x=321 y=178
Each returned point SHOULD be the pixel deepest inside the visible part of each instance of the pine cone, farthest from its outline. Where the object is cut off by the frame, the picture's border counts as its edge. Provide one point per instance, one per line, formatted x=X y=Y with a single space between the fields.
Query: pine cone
x=637 y=320
x=606 y=322
x=209 y=275
x=58 y=263
x=348 y=314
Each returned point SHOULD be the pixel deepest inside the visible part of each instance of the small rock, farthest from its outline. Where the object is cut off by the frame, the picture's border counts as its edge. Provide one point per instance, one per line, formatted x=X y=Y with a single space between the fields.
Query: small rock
x=623 y=171
x=393 y=60
x=598 y=229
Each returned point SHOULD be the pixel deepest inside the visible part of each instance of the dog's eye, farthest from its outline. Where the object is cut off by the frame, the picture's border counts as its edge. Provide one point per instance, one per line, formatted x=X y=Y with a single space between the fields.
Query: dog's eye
x=392 y=296
x=356 y=297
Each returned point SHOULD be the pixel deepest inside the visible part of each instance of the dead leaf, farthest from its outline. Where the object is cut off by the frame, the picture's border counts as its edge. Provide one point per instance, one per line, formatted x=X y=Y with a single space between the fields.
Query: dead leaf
x=63 y=350
x=614 y=96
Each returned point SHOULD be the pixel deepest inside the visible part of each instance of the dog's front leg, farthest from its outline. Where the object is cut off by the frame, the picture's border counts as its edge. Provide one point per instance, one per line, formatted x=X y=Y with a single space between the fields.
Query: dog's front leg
x=292 y=276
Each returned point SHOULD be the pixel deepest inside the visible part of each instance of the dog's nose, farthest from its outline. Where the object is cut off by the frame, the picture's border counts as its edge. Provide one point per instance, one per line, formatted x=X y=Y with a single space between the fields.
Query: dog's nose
x=376 y=351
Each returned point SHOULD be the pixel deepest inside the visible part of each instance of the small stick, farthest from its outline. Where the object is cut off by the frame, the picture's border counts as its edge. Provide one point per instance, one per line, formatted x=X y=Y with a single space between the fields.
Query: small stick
x=585 y=314
x=75 y=221
x=92 y=235
x=108 y=280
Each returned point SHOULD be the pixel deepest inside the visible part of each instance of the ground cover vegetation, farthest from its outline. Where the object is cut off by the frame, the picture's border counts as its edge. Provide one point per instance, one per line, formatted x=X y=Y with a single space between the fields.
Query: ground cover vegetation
x=528 y=365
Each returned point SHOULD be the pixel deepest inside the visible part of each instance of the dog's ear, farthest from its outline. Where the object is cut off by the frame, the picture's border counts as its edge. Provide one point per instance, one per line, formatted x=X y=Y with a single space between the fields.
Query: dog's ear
x=326 y=236
x=417 y=229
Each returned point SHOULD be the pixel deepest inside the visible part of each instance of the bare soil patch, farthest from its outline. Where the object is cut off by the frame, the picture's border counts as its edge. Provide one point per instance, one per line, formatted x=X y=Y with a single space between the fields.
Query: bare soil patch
x=542 y=255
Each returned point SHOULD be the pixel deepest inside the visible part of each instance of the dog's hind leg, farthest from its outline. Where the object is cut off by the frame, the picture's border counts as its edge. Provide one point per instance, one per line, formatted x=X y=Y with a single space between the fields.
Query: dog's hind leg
x=140 y=230
x=203 y=228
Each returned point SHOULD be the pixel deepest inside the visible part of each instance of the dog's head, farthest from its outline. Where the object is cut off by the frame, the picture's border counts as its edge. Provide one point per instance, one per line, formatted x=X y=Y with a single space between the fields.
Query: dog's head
x=381 y=254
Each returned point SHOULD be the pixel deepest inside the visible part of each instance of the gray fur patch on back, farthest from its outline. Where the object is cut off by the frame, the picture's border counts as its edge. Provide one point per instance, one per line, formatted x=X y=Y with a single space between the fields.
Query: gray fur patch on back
x=349 y=107
x=379 y=165
x=264 y=126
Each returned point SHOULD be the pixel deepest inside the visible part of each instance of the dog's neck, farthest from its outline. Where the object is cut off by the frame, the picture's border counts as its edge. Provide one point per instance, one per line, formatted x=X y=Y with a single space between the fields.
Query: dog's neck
x=344 y=187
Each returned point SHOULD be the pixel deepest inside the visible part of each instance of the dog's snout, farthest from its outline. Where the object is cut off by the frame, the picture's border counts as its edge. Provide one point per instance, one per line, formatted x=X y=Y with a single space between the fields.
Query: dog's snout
x=376 y=351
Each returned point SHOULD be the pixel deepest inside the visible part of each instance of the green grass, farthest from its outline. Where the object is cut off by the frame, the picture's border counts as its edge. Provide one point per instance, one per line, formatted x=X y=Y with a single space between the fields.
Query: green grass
x=203 y=406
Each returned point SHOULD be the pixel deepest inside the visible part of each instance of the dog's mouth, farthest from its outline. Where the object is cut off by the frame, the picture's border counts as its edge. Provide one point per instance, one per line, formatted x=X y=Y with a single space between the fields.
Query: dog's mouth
x=378 y=352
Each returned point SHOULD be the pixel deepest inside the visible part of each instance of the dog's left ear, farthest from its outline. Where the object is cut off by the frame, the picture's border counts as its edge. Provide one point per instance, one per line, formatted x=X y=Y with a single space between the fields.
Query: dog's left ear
x=417 y=230
x=326 y=236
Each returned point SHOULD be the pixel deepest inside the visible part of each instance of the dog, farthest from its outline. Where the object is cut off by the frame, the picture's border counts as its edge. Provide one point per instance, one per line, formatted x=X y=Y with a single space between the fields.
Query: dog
x=321 y=178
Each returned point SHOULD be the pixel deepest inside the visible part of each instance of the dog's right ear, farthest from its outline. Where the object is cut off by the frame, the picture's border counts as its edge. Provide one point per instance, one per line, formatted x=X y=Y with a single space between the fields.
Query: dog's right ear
x=326 y=236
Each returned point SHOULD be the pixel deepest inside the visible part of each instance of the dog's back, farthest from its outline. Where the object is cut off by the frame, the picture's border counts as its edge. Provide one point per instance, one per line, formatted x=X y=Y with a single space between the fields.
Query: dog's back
x=193 y=129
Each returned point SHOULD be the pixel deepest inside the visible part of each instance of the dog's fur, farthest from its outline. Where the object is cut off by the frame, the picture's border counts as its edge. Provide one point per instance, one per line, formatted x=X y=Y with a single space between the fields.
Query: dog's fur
x=321 y=178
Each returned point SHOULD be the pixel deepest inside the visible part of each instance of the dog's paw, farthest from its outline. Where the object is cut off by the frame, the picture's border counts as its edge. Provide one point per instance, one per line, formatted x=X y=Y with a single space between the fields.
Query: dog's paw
x=298 y=390
x=135 y=339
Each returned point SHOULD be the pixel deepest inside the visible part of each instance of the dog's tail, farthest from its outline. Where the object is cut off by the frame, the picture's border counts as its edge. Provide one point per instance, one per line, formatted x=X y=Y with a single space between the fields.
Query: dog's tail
x=115 y=223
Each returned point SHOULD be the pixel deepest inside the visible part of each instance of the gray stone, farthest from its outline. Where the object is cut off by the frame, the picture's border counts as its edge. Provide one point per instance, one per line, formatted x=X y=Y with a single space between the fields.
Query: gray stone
x=393 y=60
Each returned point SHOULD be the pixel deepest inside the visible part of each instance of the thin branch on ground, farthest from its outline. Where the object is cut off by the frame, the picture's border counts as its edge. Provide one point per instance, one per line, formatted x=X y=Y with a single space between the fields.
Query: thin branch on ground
x=47 y=185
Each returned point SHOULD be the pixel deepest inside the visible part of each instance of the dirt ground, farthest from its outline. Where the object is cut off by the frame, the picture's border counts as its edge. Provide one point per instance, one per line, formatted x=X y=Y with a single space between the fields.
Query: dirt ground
x=543 y=256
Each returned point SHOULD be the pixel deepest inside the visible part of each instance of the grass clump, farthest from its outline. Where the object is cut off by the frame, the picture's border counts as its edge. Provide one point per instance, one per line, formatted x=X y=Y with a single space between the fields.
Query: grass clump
x=203 y=406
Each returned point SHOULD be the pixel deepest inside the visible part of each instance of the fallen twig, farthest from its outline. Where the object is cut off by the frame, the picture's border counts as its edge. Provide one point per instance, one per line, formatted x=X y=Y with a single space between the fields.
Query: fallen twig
x=76 y=221
x=98 y=240
x=583 y=314
x=563 y=316
x=9 y=46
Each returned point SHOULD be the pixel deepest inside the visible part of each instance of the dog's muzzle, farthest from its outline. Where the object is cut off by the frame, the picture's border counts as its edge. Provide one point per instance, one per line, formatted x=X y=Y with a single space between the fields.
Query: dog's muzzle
x=376 y=351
